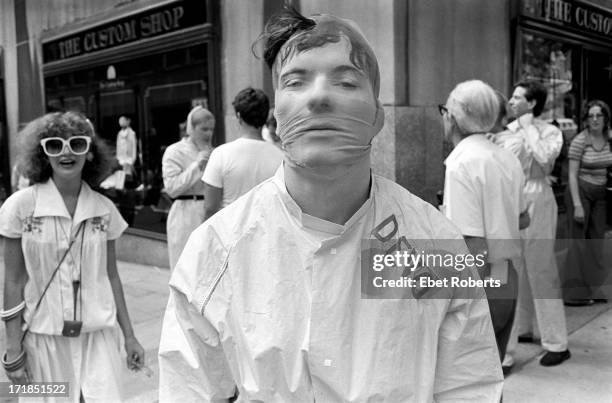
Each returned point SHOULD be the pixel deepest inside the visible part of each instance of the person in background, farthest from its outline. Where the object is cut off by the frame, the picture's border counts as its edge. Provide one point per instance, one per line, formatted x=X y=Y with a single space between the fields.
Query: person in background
x=238 y=166
x=18 y=179
x=589 y=158
x=126 y=146
x=182 y=166
x=183 y=130
x=269 y=130
x=483 y=194
x=537 y=144
x=266 y=298
x=61 y=280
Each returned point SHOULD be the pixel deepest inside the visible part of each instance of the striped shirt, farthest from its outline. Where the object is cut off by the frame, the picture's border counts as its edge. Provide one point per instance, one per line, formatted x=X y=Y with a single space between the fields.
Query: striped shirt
x=593 y=163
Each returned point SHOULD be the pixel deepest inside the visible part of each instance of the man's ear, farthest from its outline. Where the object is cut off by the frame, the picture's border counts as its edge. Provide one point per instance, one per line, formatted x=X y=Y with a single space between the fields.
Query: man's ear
x=531 y=104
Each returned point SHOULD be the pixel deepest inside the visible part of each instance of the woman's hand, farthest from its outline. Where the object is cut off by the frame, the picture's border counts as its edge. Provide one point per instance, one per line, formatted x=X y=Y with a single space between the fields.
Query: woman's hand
x=135 y=354
x=19 y=377
x=203 y=157
x=579 y=214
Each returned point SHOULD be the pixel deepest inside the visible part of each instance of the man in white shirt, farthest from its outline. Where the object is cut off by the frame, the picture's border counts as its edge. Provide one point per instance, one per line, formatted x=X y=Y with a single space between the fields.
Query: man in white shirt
x=236 y=167
x=267 y=297
x=483 y=195
x=537 y=144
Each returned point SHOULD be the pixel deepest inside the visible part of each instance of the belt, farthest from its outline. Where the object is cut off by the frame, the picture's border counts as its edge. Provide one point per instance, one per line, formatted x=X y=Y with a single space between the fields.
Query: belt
x=190 y=197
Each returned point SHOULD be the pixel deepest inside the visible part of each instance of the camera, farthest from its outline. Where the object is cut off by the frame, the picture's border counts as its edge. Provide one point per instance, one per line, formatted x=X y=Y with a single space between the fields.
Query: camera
x=72 y=328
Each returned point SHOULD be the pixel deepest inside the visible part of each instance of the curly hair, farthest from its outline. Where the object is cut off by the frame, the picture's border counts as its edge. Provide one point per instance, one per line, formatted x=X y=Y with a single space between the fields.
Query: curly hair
x=35 y=163
x=605 y=109
x=253 y=106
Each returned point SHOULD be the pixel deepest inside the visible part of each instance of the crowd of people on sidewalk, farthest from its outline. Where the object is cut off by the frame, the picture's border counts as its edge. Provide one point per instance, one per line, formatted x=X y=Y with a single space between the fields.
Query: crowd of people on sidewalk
x=271 y=242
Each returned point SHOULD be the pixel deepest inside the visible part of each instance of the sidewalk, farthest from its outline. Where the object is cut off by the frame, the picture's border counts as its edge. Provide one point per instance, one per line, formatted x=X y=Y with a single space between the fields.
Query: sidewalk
x=586 y=377
x=146 y=295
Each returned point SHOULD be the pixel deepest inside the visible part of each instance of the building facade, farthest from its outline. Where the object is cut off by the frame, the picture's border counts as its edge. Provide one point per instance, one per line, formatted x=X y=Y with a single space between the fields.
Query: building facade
x=152 y=60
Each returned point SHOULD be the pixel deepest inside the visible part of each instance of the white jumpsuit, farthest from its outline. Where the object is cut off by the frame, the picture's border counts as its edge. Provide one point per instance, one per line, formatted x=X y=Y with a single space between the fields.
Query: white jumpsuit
x=182 y=176
x=269 y=300
x=540 y=301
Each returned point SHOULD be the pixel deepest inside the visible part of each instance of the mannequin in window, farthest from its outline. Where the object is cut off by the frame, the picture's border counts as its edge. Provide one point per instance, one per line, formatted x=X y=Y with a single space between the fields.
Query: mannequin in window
x=126 y=147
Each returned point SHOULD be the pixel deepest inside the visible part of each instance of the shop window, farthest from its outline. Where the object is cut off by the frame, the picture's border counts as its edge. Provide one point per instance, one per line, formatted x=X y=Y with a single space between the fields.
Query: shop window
x=76 y=104
x=82 y=77
x=197 y=54
x=54 y=105
x=553 y=63
x=175 y=58
x=51 y=83
x=63 y=81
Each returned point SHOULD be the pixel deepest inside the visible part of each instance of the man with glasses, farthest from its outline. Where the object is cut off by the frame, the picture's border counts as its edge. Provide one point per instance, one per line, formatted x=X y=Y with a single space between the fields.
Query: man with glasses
x=483 y=195
x=537 y=144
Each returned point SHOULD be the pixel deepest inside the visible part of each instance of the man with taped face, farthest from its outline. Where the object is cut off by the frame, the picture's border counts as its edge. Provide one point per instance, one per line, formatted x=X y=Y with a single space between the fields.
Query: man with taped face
x=327 y=113
x=266 y=300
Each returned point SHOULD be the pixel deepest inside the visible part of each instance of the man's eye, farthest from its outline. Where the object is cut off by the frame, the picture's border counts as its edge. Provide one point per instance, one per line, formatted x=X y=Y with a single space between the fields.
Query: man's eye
x=293 y=83
x=348 y=84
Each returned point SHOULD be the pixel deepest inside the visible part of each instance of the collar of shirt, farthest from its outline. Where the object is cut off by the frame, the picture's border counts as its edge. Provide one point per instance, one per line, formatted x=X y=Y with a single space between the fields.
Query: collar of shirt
x=463 y=145
x=124 y=132
x=50 y=203
x=188 y=145
x=514 y=126
x=315 y=223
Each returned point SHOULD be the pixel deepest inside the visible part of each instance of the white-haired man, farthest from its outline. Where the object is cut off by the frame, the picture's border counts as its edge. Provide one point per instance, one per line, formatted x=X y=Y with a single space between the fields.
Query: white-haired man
x=267 y=296
x=483 y=195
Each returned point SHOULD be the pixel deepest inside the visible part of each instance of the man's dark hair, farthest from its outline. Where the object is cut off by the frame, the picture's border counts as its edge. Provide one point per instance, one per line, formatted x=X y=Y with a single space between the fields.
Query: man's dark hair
x=535 y=91
x=280 y=28
x=309 y=33
x=253 y=106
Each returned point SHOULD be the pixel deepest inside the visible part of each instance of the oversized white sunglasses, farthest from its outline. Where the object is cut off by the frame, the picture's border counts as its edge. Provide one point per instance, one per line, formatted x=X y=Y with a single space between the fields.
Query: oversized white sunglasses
x=54 y=146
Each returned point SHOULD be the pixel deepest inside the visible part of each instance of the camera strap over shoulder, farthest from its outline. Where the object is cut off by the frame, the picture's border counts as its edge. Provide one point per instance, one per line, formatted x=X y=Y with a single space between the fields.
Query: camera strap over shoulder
x=81 y=226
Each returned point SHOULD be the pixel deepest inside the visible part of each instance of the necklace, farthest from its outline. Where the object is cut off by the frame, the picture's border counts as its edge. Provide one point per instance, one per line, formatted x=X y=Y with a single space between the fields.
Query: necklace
x=592 y=138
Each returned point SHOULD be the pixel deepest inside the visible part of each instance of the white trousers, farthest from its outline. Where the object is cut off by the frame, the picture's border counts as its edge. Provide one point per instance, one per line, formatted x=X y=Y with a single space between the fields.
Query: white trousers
x=183 y=218
x=90 y=363
x=540 y=308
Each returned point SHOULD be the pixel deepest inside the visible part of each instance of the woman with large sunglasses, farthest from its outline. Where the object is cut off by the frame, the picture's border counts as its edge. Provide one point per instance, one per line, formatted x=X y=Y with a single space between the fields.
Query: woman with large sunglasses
x=63 y=296
x=589 y=157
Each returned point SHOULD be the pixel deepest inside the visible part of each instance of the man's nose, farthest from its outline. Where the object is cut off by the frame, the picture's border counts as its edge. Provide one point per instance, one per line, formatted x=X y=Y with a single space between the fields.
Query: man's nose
x=319 y=99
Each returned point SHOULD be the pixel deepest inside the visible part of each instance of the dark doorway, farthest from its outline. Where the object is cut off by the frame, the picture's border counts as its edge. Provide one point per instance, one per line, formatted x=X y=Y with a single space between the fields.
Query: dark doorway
x=598 y=76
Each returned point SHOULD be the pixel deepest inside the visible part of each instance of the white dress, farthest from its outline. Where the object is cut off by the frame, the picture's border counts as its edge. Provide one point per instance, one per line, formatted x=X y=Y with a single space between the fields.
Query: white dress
x=182 y=176
x=91 y=363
